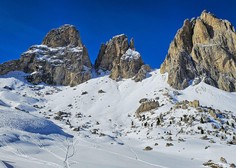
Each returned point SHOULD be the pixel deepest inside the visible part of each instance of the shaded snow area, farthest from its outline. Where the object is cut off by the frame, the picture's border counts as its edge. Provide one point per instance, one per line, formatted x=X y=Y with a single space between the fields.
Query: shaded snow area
x=97 y=124
x=130 y=55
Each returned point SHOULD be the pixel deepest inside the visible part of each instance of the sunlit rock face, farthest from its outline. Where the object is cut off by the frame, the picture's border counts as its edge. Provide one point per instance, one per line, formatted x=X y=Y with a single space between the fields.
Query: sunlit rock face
x=204 y=48
x=119 y=56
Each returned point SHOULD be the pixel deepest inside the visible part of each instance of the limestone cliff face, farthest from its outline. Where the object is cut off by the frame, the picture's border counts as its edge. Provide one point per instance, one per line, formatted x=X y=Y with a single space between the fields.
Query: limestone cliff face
x=203 y=48
x=66 y=35
x=127 y=66
x=60 y=60
x=119 y=57
x=111 y=51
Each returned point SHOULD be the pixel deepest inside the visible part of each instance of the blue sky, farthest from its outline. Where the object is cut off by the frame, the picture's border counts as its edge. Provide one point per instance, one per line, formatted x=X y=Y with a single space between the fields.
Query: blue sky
x=152 y=23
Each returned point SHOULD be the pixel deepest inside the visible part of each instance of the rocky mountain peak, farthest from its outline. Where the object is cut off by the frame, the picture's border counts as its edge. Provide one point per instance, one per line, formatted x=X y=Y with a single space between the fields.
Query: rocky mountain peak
x=113 y=49
x=211 y=20
x=131 y=45
x=118 y=55
x=207 y=14
x=203 y=49
x=60 y=60
x=66 y=35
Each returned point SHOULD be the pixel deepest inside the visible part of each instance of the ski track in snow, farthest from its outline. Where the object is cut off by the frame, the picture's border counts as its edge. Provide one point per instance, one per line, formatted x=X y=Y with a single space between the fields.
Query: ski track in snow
x=121 y=155
x=22 y=155
x=26 y=158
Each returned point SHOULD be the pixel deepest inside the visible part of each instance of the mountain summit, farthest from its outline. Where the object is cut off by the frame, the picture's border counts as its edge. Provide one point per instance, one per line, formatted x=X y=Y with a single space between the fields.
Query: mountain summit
x=62 y=59
x=118 y=114
x=119 y=56
x=66 y=35
x=203 y=49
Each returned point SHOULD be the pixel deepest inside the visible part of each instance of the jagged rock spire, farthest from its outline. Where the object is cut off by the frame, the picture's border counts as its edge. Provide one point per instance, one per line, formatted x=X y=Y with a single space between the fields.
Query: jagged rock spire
x=111 y=51
x=62 y=59
x=203 y=48
x=119 y=57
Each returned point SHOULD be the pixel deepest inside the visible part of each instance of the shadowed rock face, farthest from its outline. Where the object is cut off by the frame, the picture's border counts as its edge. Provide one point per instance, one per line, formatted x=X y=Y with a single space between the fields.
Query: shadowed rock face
x=119 y=57
x=203 y=48
x=61 y=60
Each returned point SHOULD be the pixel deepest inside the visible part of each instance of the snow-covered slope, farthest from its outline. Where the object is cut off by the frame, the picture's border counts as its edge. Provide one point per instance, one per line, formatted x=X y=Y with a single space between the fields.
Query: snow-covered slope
x=100 y=126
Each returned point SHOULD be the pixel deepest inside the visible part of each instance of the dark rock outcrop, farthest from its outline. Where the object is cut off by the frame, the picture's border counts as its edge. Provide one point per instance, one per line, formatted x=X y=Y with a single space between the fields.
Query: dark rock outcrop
x=147 y=106
x=204 y=48
x=119 y=57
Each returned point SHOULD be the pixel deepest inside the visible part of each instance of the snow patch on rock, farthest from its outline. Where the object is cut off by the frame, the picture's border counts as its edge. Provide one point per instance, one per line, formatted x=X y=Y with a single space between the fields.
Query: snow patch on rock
x=130 y=55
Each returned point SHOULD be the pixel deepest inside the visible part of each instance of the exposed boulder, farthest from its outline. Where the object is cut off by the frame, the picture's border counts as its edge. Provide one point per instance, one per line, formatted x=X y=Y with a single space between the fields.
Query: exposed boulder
x=147 y=106
x=169 y=144
x=223 y=160
x=62 y=60
x=143 y=100
x=203 y=48
x=119 y=57
x=148 y=148
x=101 y=91
x=194 y=103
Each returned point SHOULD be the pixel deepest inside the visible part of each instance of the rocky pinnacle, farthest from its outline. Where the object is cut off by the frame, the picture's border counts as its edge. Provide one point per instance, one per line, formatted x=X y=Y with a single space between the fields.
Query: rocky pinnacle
x=204 y=49
x=62 y=59
x=118 y=55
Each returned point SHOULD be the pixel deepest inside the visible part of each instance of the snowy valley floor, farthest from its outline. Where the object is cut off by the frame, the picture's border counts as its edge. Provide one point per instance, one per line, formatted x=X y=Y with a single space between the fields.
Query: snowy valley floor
x=95 y=124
